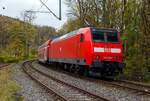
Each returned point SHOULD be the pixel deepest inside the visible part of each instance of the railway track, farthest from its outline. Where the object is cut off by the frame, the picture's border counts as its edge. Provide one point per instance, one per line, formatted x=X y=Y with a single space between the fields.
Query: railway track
x=63 y=90
x=139 y=88
x=3 y=66
x=133 y=87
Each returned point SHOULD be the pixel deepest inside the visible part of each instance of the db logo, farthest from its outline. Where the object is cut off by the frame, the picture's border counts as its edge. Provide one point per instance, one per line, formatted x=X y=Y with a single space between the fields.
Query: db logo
x=107 y=50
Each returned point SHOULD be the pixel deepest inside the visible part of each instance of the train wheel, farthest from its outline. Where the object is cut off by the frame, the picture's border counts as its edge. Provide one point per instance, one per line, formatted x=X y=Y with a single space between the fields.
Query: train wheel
x=65 y=67
x=77 y=69
x=71 y=68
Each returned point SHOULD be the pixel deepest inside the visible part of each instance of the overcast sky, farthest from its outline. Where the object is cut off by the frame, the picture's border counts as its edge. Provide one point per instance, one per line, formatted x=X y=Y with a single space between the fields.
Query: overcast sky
x=14 y=8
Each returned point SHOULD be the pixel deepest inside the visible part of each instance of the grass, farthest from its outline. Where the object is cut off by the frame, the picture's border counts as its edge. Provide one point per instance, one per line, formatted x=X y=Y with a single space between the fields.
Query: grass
x=8 y=87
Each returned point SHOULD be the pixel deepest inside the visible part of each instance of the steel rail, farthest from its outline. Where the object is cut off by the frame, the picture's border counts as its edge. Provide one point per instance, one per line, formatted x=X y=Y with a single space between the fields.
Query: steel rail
x=117 y=84
x=130 y=88
x=135 y=83
x=3 y=66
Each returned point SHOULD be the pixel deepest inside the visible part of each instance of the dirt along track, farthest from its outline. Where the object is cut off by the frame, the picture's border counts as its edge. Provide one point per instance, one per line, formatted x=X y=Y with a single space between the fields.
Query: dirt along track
x=61 y=89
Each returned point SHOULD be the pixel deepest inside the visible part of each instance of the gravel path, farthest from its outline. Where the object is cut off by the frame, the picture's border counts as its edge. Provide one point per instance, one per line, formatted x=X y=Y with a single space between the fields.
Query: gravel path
x=30 y=90
x=114 y=94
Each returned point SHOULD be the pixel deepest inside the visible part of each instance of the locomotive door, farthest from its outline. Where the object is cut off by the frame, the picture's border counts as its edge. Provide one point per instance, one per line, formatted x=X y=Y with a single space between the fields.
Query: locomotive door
x=49 y=57
x=81 y=38
x=77 y=47
x=45 y=55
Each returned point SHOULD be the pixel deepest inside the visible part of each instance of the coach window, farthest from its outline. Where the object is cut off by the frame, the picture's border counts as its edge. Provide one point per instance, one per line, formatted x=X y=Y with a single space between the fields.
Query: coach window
x=82 y=37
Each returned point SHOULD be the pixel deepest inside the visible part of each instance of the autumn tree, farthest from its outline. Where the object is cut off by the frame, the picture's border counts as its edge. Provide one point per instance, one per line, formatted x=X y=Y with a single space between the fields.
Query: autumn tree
x=145 y=45
x=83 y=9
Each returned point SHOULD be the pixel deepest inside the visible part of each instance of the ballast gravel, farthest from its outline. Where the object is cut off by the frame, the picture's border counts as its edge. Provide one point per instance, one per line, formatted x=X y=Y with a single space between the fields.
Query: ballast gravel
x=69 y=93
x=111 y=93
x=29 y=89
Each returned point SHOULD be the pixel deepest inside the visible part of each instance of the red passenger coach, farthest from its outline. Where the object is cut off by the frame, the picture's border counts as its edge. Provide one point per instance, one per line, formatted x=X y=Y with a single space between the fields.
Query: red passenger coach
x=44 y=52
x=89 y=50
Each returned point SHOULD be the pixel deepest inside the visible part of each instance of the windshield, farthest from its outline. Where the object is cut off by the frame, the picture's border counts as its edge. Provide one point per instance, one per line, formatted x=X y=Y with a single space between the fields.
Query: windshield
x=98 y=36
x=109 y=36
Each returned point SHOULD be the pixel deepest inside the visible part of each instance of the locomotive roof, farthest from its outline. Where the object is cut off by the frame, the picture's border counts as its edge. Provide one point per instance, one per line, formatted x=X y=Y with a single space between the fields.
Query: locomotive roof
x=76 y=32
x=104 y=28
x=66 y=36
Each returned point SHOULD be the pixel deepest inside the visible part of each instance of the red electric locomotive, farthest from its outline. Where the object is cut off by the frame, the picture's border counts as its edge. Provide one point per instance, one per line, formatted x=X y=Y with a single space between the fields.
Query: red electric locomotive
x=89 y=50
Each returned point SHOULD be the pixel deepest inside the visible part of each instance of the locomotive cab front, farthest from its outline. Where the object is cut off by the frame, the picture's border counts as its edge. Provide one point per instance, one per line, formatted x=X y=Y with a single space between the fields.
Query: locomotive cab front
x=107 y=51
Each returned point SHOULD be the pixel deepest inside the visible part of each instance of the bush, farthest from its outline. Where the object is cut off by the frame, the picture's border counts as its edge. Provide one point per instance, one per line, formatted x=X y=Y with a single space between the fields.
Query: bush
x=1 y=59
x=135 y=76
x=8 y=59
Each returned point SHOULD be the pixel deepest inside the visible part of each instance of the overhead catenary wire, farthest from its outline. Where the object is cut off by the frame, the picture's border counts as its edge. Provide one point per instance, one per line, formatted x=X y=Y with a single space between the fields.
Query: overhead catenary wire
x=52 y=11
x=49 y=10
x=41 y=6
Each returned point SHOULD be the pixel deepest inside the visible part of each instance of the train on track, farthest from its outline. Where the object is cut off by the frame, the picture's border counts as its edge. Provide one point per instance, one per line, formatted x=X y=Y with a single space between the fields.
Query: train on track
x=86 y=50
